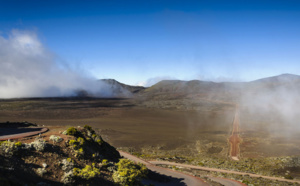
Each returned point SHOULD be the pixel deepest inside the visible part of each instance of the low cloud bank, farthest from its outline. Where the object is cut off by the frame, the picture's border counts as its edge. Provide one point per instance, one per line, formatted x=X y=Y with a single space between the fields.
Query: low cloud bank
x=272 y=104
x=29 y=69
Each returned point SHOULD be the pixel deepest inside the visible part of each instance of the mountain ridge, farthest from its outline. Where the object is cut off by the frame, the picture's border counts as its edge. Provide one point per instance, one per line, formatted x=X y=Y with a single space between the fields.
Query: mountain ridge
x=225 y=91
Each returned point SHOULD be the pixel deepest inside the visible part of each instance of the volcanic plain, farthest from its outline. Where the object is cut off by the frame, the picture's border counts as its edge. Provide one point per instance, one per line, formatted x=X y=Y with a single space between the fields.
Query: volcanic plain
x=187 y=121
x=125 y=123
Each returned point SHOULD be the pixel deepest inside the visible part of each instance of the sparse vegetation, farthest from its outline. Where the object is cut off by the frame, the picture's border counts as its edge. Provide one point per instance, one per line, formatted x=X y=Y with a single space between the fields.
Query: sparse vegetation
x=67 y=164
x=71 y=131
x=104 y=162
x=129 y=173
x=87 y=172
x=8 y=148
x=41 y=171
x=89 y=128
x=39 y=144
x=56 y=139
x=81 y=141
x=288 y=176
x=18 y=144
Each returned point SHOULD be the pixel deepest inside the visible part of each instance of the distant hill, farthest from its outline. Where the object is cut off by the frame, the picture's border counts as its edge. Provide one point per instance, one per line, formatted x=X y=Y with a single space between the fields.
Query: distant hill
x=111 y=88
x=208 y=90
x=225 y=91
x=119 y=87
x=286 y=78
x=287 y=81
x=195 y=88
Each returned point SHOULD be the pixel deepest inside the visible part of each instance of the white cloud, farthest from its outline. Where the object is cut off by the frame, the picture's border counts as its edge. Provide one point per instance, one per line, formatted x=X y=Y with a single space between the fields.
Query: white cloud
x=26 y=42
x=28 y=69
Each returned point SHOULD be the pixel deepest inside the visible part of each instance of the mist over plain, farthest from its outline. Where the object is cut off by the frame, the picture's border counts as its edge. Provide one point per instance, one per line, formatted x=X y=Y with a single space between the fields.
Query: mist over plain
x=29 y=69
x=272 y=104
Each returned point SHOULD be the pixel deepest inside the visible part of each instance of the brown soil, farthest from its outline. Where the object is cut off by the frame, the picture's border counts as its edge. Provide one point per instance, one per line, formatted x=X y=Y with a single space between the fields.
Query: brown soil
x=122 y=122
x=129 y=123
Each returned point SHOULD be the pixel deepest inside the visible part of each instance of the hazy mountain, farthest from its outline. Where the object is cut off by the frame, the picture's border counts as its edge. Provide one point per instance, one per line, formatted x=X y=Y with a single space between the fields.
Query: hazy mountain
x=275 y=87
x=119 y=87
x=273 y=99
x=171 y=89
x=222 y=90
x=112 y=88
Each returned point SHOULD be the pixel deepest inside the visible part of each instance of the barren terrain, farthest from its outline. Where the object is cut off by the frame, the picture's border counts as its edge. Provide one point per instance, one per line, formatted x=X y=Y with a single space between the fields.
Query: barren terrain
x=125 y=124
x=188 y=122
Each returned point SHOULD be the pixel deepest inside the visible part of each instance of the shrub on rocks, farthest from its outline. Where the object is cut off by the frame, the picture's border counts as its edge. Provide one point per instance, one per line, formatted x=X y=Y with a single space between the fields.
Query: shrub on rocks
x=39 y=145
x=67 y=164
x=72 y=131
x=41 y=171
x=89 y=129
x=129 y=173
x=68 y=178
x=56 y=139
x=8 y=148
x=87 y=172
x=18 y=144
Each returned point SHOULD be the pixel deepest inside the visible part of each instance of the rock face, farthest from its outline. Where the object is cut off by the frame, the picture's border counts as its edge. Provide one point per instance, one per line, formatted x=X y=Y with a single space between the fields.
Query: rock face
x=74 y=158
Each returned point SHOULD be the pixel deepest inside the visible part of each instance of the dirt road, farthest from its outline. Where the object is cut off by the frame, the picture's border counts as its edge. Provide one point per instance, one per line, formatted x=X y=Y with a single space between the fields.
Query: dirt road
x=177 y=178
x=227 y=182
x=234 y=139
x=15 y=133
x=223 y=181
x=187 y=179
x=221 y=170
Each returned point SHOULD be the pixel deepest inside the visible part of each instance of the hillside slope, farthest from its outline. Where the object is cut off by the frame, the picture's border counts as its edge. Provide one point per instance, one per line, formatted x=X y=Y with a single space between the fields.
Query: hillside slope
x=77 y=156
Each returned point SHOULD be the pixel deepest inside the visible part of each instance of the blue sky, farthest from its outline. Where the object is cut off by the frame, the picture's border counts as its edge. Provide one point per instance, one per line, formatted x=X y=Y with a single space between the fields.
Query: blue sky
x=141 y=42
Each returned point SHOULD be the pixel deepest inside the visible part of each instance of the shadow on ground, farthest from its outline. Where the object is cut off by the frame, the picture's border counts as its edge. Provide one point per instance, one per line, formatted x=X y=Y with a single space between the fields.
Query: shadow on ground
x=157 y=179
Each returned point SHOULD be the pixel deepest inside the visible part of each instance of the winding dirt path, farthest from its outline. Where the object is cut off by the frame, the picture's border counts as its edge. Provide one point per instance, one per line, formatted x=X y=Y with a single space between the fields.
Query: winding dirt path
x=235 y=139
x=15 y=133
x=180 y=178
x=222 y=171
x=227 y=182
x=187 y=179
x=223 y=181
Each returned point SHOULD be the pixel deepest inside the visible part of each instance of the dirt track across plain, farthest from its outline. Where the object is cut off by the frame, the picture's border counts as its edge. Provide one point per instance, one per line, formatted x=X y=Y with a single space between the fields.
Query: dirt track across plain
x=186 y=179
x=223 y=181
x=222 y=171
x=227 y=182
x=234 y=139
